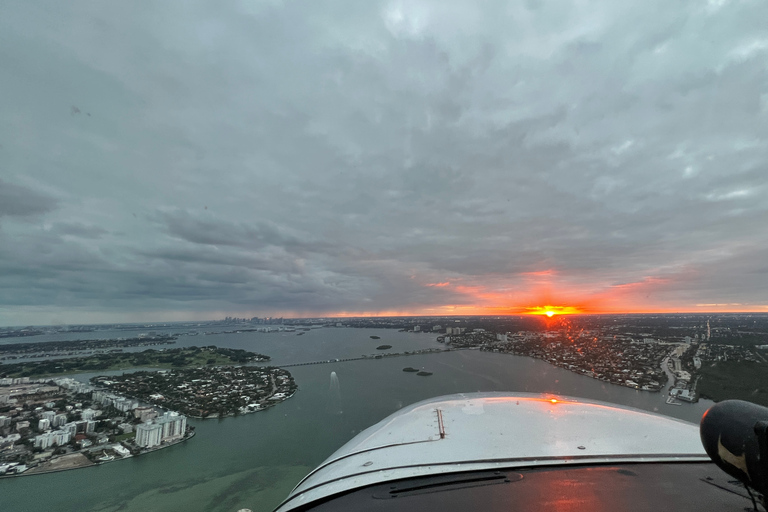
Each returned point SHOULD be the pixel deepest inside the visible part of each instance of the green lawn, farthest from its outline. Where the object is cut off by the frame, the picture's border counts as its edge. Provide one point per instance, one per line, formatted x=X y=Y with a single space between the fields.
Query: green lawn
x=124 y=437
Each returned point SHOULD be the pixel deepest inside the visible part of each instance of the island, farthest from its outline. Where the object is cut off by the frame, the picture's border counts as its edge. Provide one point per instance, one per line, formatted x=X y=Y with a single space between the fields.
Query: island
x=383 y=347
x=162 y=358
x=80 y=347
x=206 y=392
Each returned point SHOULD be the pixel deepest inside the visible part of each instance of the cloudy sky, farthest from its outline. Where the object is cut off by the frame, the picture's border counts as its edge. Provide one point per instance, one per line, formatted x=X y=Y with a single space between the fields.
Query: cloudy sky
x=185 y=160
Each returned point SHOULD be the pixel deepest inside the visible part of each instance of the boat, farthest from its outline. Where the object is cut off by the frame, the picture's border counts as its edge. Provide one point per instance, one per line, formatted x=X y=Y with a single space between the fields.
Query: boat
x=424 y=373
x=105 y=458
x=410 y=369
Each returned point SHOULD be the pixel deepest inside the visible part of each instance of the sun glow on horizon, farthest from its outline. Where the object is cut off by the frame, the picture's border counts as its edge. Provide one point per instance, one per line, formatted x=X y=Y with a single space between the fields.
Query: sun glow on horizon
x=550 y=311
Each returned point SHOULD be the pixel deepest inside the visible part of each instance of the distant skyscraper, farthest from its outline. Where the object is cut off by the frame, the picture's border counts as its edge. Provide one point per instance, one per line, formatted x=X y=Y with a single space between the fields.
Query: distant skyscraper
x=709 y=331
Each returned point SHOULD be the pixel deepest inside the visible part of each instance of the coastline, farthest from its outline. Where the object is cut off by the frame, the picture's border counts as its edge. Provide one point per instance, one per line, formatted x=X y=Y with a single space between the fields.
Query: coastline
x=31 y=472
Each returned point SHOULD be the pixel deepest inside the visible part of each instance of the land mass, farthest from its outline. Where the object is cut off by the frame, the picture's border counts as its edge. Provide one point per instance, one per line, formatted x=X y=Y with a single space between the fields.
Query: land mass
x=49 y=425
x=163 y=358
x=78 y=347
x=742 y=380
x=209 y=392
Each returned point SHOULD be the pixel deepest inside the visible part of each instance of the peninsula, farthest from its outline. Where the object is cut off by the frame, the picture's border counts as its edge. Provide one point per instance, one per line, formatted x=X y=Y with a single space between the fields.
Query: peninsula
x=207 y=392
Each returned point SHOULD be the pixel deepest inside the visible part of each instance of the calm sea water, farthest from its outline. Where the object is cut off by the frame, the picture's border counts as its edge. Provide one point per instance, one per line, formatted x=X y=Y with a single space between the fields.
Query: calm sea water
x=253 y=461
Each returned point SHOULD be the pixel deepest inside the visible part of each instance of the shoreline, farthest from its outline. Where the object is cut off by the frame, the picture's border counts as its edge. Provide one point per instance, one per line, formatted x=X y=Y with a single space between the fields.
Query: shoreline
x=233 y=415
x=92 y=464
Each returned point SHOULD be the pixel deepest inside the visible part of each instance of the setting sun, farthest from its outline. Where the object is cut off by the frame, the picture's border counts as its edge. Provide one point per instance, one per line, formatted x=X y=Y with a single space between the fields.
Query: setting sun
x=551 y=311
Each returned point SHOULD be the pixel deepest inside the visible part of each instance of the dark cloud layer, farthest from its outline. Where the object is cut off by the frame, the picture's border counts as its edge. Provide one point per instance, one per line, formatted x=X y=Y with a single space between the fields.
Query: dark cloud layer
x=20 y=201
x=342 y=156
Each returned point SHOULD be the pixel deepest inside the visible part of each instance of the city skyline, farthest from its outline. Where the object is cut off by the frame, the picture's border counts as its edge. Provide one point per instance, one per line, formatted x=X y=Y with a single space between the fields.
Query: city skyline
x=385 y=158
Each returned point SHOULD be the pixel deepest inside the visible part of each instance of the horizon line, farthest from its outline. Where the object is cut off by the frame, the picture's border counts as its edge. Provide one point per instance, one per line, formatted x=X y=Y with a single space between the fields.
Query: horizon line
x=332 y=317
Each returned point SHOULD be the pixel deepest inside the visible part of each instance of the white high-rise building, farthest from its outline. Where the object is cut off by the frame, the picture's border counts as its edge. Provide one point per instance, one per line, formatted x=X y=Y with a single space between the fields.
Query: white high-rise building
x=173 y=424
x=149 y=435
x=61 y=437
x=49 y=439
x=44 y=440
x=43 y=425
x=125 y=404
x=70 y=427
x=59 y=420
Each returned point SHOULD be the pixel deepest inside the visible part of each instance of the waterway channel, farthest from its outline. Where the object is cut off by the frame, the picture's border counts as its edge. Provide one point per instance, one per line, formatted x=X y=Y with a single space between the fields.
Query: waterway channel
x=253 y=461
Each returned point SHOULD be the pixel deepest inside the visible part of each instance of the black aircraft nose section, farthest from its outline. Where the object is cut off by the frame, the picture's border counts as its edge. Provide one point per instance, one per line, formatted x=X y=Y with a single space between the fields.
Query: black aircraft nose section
x=735 y=435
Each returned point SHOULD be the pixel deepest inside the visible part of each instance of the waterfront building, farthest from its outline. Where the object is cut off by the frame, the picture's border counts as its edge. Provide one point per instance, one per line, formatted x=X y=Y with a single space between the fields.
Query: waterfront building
x=149 y=435
x=121 y=450
x=174 y=425
x=49 y=439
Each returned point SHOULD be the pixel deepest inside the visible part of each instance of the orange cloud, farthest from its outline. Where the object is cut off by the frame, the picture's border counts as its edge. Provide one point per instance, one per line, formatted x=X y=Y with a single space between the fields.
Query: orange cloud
x=541 y=273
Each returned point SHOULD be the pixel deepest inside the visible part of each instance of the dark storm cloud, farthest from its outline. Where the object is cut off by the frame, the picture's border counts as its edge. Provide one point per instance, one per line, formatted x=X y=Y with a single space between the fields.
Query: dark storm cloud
x=311 y=157
x=209 y=230
x=20 y=201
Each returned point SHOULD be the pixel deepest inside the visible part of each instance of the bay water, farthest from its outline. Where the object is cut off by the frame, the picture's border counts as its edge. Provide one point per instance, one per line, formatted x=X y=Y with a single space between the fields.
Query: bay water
x=253 y=461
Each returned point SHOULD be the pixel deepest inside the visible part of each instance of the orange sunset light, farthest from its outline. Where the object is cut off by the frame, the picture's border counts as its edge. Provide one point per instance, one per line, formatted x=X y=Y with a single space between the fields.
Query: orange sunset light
x=551 y=311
